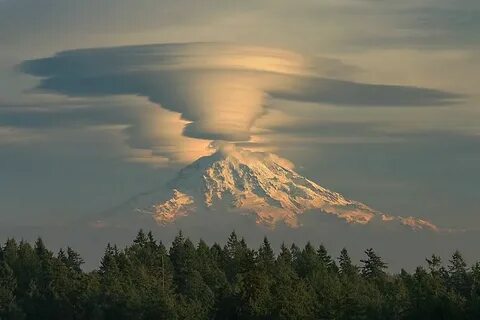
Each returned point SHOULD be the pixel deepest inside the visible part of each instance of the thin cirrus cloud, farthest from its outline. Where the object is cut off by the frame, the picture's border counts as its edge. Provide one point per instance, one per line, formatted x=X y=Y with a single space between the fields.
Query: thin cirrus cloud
x=219 y=90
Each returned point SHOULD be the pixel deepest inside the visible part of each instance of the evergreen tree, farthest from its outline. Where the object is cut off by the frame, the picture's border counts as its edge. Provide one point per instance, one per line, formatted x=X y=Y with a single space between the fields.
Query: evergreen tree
x=141 y=239
x=74 y=261
x=293 y=299
x=265 y=257
x=373 y=267
x=210 y=270
x=457 y=272
x=326 y=260
x=434 y=265
x=474 y=299
x=347 y=268
x=9 y=253
x=307 y=261
x=8 y=286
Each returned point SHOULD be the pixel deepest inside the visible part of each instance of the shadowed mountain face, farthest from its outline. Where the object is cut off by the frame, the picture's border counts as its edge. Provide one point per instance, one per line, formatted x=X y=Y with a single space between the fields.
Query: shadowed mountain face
x=263 y=185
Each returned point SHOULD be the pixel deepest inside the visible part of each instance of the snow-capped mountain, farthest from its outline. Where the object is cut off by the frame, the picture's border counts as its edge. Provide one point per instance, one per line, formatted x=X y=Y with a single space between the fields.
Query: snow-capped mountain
x=261 y=184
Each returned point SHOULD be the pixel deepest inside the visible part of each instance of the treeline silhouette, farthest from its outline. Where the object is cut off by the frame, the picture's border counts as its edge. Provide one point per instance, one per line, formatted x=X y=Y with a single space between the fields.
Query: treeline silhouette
x=196 y=281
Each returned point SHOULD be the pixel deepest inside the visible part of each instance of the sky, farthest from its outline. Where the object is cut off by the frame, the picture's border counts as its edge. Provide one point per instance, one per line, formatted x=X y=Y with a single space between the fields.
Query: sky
x=102 y=100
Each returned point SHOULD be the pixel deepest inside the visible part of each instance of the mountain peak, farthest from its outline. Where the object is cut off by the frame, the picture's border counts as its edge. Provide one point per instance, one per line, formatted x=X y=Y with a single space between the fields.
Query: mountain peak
x=262 y=184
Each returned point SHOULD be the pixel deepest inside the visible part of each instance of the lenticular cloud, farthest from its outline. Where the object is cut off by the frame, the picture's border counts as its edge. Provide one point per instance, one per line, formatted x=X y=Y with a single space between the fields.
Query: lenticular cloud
x=219 y=89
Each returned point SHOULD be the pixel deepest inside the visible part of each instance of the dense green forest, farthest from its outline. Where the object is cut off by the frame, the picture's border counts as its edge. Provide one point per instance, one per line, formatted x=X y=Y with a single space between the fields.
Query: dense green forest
x=147 y=280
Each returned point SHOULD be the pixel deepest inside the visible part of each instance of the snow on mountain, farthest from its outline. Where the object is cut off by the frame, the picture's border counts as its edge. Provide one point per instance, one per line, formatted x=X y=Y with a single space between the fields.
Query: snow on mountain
x=264 y=185
x=178 y=206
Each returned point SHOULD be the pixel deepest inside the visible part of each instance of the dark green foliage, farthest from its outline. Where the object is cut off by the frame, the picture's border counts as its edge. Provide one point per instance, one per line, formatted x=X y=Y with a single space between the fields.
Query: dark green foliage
x=346 y=267
x=373 y=266
x=198 y=281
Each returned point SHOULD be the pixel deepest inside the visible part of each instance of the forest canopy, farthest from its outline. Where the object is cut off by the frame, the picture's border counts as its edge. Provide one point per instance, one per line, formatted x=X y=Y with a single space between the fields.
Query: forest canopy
x=147 y=280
